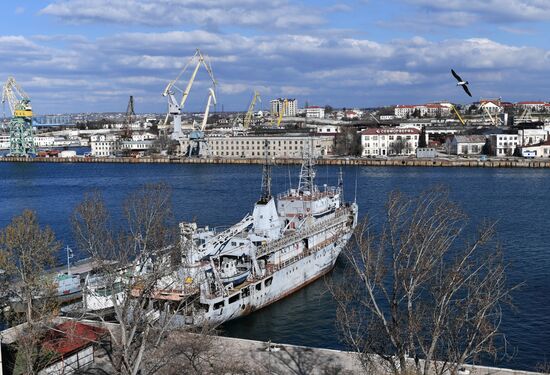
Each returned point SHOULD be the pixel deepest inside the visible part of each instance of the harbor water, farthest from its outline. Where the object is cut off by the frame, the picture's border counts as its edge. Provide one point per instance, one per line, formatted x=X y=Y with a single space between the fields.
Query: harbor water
x=220 y=195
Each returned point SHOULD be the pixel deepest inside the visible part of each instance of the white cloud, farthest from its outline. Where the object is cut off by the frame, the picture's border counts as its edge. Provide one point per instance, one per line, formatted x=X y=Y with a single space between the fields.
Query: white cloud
x=492 y=10
x=321 y=69
x=254 y=13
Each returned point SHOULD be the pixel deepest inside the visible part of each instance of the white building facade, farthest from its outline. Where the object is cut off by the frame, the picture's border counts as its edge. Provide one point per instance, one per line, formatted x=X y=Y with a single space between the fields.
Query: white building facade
x=289 y=146
x=503 y=144
x=315 y=112
x=389 y=141
x=104 y=145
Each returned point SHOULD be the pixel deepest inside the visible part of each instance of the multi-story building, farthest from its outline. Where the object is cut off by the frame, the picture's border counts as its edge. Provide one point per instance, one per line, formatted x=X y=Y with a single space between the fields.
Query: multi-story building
x=503 y=144
x=402 y=111
x=389 y=141
x=284 y=146
x=288 y=107
x=535 y=106
x=315 y=112
x=104 y=145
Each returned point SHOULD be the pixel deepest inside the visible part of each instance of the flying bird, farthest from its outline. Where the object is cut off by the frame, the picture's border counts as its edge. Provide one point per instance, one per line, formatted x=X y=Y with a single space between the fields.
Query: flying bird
x=461 y=82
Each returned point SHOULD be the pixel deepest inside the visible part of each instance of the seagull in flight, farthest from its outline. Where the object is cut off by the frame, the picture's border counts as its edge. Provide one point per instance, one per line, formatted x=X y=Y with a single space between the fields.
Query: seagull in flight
x=461 y=82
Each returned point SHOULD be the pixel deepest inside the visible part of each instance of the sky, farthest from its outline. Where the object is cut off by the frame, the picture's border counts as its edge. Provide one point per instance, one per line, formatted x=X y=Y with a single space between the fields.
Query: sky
x=74 y=56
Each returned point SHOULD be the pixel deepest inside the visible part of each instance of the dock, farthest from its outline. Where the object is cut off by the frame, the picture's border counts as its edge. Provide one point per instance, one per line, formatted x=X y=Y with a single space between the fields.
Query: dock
x=336 y=161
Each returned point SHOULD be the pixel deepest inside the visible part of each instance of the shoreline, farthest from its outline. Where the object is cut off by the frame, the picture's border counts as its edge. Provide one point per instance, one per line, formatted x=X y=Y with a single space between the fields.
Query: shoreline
x=390 y=162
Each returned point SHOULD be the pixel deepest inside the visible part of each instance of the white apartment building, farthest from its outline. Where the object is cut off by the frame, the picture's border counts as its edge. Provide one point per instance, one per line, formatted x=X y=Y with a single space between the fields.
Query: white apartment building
x=104 y=145
x=315 y=112
x=402 y=110
x=389 y=141
x=285 y=146
x=503 y=144
x=289 y=109
x=535 y=106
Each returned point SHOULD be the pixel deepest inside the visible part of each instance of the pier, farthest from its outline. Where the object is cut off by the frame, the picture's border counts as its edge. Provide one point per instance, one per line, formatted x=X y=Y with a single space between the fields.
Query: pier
x=341 y=161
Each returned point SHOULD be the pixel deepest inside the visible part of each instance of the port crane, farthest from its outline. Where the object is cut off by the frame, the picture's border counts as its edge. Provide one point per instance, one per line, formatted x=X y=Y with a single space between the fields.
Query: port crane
x=175 y=106
x=458 y=115
x=198 y=146
x=20 y=126
x=130 y=116
x=280 y=112
x=250 y=113
x=495 y=121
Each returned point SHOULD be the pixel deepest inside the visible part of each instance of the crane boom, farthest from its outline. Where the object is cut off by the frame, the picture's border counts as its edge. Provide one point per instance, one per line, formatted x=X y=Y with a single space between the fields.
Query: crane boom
x=281 y=112
x=175 y=106
x=211 y=97
x=458 y=115
x=250 y=112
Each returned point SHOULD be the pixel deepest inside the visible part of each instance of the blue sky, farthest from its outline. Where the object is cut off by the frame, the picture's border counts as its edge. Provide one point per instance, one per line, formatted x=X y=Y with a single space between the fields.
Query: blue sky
x=90 y=55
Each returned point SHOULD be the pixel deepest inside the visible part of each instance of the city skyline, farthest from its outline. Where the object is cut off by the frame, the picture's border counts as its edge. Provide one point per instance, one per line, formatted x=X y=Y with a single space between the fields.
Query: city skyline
x=89 y=56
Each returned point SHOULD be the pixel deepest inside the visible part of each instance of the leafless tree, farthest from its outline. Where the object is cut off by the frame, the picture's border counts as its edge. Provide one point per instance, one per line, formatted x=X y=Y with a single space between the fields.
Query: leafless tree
x=400 y=146
x=417 y=297
x=131 y=257
x=300 y=361
x=26 y=257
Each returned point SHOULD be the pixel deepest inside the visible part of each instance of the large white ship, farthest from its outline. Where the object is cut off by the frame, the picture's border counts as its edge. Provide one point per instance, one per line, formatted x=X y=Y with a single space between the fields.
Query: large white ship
x=282 y=246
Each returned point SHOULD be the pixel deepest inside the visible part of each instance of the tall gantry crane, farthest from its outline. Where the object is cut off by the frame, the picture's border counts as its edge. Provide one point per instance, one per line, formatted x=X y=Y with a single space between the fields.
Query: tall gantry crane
x=175 y=106
x=20 y=126
x=250 y=112
x=130 y=118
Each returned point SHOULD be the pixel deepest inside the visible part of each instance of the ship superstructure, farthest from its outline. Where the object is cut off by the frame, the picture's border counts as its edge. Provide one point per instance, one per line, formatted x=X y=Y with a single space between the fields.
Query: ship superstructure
x=285 y=244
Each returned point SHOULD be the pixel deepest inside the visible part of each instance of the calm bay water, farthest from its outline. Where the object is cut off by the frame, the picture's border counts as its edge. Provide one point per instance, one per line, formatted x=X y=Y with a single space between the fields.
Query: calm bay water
x=220 y=195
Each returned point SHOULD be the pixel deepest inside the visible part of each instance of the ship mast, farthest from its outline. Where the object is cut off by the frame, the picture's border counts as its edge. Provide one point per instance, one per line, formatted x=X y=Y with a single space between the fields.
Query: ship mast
x=307 y=172
x=266 y=178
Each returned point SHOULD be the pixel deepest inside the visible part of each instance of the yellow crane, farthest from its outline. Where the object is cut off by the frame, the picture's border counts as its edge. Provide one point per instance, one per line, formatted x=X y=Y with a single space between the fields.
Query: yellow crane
x=20 y=126
x=458 y=115
x=250 y=112
x=281 y=112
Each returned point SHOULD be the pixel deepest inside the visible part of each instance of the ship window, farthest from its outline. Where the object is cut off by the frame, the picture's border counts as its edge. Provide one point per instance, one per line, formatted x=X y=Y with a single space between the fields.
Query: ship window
x=259 y=286
x=268 y=281
x=234 y=298
x=219 y=304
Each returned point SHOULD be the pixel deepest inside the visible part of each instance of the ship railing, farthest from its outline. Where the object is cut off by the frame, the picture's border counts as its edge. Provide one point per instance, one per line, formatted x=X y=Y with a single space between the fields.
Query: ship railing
x=338 y=217
x=308 y=252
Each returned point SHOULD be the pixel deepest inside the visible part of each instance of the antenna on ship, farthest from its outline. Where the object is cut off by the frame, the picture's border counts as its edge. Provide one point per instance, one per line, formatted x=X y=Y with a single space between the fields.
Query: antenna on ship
x=355 y=198
x=266 y=177
x=341 y=183
x=307 y=173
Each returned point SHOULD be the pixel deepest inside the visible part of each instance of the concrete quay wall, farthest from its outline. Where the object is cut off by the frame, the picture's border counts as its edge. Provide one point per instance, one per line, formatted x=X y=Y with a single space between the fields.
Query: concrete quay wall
x=390 y=162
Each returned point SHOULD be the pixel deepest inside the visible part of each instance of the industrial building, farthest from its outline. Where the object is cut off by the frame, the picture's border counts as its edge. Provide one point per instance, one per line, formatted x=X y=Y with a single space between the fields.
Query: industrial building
x=284 y=146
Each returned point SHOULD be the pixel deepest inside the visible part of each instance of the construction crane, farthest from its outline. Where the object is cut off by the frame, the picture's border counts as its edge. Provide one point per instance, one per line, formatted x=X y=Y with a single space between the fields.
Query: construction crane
x=250 y=112
x=20 y=126
x=458 y=115
x=281 y=112
x=198 y=146
x=130 y=116
x=175 y=106
x=494 y=120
